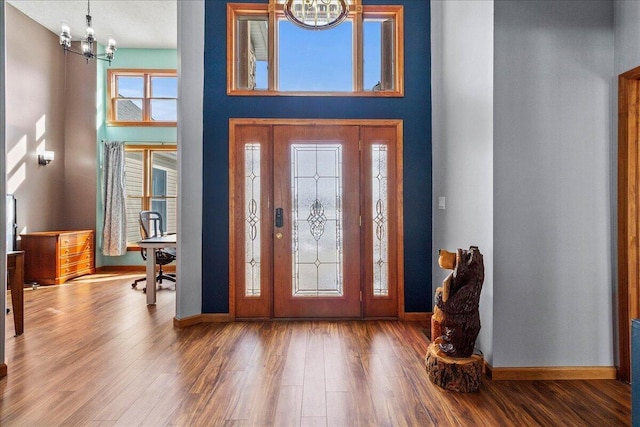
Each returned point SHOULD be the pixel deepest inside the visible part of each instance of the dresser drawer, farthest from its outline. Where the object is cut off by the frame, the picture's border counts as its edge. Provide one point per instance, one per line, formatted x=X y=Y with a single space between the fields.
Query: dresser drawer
x=75 y=258
x=76 y=269
x=75 y=240
x=77 y=249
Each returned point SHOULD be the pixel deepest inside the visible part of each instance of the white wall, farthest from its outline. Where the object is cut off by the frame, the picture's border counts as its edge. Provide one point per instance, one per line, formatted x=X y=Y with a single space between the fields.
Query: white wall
x=627 y=36
x=3 y=173
x=552 y=145
x=462 y=108
x=626 y=57
x=191 y=89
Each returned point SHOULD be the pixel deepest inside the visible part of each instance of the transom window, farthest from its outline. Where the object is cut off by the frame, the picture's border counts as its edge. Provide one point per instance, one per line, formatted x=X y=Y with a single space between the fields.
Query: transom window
x=272 y=55
x=142 y=97
x=151 y=177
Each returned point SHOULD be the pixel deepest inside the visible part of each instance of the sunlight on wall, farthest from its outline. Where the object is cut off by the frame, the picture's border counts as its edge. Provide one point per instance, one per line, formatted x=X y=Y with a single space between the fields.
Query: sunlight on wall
x=16 y=178
x=16 y=168
x=17 y=153
x=41 y=127
x=41 y=147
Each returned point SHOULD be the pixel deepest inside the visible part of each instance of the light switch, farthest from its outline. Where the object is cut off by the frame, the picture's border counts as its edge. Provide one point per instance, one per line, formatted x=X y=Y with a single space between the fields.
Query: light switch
x=441 y=203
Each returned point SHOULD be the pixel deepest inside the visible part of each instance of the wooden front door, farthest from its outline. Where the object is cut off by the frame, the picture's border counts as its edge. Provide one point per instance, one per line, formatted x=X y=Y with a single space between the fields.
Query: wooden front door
x=314 y=219
x=317 y=230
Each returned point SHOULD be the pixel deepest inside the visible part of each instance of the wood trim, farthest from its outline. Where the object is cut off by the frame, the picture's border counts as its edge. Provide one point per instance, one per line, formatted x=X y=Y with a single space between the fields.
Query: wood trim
x=416 y=316
x=354 y=94
x=233 y=187
x=318 y=122
x=551 y=373
x=202 y=318
x=216 y=318
x=357 y=14
x=400 y=216
x=3 y=370
x=146 y=74
x=628 y=210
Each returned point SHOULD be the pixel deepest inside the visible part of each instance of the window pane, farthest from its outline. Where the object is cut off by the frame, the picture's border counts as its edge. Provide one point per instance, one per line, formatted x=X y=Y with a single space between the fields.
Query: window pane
x=129 y=110
x=130 y=87
x=164 y=110
x=171 y=221
x=134 y=173
x=134 y=206
x=319 y=61
x=166 y=161
x=371 y=52
x=252 y=53
x=378 y=54
x=164 y=87
x=164 y=187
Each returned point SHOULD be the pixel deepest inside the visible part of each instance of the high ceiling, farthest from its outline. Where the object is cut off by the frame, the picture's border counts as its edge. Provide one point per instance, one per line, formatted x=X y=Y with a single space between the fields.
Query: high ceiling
x=132 y=23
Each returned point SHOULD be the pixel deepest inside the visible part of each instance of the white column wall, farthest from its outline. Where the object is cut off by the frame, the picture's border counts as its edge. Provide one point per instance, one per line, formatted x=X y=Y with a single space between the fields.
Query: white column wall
x=191 y=89
x=462 y=108
x=553 y=242
x=3 y=184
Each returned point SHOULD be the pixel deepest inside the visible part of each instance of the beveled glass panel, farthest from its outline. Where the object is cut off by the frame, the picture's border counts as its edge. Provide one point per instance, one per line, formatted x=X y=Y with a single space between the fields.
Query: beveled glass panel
x=380 y=220
x=317 y=244
x=252 y=200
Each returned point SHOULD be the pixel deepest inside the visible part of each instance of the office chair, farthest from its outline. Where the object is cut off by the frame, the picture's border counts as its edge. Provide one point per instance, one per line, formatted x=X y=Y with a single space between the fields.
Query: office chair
x=151 y=226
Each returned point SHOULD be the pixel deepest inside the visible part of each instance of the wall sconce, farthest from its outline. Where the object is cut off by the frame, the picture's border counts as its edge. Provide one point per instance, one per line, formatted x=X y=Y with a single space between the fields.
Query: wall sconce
x=45 y=158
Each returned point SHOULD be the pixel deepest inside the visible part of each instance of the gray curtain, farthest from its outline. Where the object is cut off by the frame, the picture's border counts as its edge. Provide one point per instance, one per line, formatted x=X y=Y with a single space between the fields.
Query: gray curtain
x=114 y=232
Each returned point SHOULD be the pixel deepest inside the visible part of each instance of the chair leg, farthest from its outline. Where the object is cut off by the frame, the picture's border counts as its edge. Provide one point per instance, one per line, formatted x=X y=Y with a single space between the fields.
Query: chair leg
x=134 y=285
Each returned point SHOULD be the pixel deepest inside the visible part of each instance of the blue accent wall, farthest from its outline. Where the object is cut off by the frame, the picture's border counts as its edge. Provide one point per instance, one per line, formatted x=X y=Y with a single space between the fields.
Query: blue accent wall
x=414 y=109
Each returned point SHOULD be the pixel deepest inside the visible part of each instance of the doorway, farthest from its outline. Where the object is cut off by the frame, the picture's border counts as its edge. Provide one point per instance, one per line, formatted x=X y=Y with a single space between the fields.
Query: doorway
x=628 y=211
x=315 y=210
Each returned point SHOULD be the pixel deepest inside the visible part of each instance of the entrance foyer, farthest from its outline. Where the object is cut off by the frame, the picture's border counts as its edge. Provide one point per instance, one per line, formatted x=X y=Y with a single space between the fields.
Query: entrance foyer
x=315 y=213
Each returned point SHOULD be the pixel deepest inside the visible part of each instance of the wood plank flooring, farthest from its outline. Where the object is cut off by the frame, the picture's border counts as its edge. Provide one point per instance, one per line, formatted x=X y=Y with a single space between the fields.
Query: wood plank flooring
x=93 y=354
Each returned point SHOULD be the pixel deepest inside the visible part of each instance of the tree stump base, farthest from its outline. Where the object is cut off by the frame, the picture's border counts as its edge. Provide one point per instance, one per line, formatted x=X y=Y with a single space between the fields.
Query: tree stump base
x=453 y=374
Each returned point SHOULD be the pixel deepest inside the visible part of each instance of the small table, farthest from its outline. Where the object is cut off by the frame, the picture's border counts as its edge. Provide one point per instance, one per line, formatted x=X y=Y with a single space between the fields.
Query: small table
x=151 y=244
x=15 y=279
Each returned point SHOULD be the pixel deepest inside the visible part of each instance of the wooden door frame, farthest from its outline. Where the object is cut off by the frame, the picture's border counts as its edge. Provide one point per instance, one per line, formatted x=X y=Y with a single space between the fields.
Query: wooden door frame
x=628 y=210
x=233 y=186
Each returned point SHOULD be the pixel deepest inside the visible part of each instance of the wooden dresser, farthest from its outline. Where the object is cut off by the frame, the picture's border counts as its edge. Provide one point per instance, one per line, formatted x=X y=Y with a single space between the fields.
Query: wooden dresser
x=53 y=257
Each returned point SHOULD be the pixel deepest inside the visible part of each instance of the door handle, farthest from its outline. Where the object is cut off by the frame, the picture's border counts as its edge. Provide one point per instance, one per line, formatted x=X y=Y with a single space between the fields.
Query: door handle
x=279 y=217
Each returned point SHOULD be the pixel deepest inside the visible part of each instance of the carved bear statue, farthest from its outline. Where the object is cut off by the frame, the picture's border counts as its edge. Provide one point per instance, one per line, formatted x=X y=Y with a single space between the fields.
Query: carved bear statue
x=455 y=323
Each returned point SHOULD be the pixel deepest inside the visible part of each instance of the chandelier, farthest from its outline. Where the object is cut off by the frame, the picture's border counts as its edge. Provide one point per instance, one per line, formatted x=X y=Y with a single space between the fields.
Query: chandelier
x=316 y=14
x=87 y=43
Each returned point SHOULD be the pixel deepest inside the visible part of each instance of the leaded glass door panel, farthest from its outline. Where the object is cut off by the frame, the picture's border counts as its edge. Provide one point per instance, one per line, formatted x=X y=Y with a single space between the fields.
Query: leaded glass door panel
x=316 y=221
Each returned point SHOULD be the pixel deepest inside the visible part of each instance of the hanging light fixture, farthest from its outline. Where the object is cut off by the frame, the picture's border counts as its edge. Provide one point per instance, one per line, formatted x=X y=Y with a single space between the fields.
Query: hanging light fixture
x=87 y=43
x=316 y=14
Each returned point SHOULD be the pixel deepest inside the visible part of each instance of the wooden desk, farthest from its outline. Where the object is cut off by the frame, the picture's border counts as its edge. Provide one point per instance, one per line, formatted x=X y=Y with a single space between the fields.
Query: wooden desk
x=15 y=279
x=151 y=244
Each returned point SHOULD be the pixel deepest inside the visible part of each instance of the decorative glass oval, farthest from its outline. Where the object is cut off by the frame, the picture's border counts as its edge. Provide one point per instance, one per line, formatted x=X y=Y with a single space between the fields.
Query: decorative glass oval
x=316 y=14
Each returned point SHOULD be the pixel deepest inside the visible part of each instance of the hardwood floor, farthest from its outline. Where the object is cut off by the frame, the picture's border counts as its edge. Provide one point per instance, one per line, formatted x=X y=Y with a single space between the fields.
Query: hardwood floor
x=93 y=354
